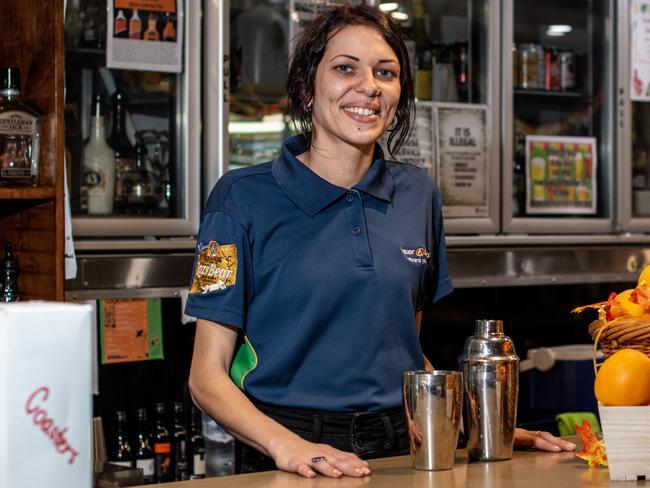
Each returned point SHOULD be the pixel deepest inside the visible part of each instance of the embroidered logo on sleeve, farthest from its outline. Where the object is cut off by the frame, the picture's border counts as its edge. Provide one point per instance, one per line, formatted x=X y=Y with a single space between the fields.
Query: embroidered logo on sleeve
x=418 y=255
x=216 y=267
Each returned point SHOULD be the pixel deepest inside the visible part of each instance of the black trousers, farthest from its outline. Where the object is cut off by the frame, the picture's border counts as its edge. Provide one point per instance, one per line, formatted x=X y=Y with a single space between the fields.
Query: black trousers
x=367 y=434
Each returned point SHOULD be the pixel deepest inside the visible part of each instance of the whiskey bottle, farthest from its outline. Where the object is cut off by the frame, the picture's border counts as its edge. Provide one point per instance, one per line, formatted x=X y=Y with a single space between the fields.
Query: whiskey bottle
x=151 y=33
x=121 y=453
x=143 y=453
x=169 y=31
x=179 y=444
x=135 y=26
x=196 y=451
x=120 y=27
x=99 y=164
x=139 y=189
x=119 y=142
x=9 y=277
x=20 y=132
x=162 y=447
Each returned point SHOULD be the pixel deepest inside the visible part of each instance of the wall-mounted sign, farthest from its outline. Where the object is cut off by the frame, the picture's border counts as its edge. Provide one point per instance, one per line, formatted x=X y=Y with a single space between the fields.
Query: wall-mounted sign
x=640 y=44
x=145 y=35
x=460 y=135
x=560 y=175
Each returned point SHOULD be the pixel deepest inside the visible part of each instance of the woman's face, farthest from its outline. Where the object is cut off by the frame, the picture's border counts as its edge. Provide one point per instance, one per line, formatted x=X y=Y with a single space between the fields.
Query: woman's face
x=356 y=88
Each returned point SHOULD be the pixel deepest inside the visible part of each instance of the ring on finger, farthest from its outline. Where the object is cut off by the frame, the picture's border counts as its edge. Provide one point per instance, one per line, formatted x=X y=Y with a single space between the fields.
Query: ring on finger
x=317 y=459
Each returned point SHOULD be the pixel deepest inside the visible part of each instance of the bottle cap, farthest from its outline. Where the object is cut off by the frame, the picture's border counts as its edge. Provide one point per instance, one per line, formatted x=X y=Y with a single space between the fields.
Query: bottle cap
x=10 y=79
x=9 y=264
x=98 y=106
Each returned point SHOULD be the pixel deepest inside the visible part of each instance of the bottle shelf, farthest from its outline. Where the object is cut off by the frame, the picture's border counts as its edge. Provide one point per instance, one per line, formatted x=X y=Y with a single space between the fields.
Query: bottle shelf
x=27 y=193
x=550 y=93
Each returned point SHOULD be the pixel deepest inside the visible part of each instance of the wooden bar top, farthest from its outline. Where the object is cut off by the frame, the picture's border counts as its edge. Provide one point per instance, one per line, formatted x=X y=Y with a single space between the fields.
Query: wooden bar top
x=526 y=469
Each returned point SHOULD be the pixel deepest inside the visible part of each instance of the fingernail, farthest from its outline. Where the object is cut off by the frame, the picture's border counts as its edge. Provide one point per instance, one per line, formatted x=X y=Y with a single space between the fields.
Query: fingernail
x=557 y=448
x=336 y=472
x=572 y=446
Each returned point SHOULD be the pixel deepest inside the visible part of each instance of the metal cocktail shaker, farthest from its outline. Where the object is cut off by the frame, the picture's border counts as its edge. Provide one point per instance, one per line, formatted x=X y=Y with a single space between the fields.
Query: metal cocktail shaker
x=490 y=369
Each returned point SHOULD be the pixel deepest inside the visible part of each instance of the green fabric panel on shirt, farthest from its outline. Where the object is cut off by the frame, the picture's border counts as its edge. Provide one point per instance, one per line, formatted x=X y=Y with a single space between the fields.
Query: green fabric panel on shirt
x=245 y=361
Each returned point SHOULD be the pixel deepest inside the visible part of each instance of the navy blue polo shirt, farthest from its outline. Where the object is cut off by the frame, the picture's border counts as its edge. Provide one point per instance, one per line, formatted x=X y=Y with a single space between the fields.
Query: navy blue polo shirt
x=324 y=281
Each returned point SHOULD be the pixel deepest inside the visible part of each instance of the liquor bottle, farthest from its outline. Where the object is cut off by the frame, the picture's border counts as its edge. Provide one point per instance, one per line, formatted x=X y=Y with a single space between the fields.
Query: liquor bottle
x=196 y=451
x=143 y=453
x=151 y=33
x=423 y=54
x=121 y=453
x=119 y=142
x=135 y=26
x=179 y=444
x=99 y=164
x=162 y=447
x=120 y=28
x=9 y=277
x=20 y=133
x=169 y=31
x=140 y=193
x=461 y=69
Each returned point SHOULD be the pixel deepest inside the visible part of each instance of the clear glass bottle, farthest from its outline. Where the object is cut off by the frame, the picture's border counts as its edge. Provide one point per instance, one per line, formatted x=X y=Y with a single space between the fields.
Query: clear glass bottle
x=179 y=444
x=143 y=453
x=196 y=451
x=140 y=192
x=20 y=132
x=121 y=453
x=9 y=277
x=162 y=448
x=99 y=164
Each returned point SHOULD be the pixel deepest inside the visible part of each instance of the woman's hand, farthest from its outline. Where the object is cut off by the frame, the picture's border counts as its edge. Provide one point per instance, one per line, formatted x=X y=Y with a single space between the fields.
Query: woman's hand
x=297 y=455
x=541 y=440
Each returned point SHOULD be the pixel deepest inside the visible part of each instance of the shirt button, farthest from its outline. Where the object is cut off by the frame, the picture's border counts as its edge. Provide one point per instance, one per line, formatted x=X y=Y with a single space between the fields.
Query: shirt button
x=350 y=198
x=356 y=231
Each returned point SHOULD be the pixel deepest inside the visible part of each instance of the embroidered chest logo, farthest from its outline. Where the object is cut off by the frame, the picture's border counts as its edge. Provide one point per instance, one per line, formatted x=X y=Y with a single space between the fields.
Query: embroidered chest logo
x=216 y=267
x=418 y=255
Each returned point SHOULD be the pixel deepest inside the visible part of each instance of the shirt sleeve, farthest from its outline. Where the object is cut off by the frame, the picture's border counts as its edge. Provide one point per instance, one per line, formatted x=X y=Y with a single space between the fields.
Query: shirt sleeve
x=221 y=278
x=442 y=283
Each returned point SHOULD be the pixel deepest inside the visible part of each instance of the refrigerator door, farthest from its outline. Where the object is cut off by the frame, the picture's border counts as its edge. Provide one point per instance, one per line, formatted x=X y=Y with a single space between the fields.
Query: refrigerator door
x=455 y=59
x=633 y=119
x=158 y=194
x=558 y=120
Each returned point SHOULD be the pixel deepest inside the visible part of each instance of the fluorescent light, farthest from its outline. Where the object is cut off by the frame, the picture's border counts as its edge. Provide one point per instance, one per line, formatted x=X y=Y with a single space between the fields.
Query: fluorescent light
x=558 y=30
x=399 y=15
x=388 y=6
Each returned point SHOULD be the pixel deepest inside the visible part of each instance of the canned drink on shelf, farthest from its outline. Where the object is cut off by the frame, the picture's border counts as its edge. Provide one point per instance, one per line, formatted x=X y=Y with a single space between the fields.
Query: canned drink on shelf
x=541 y=67
x=567 y=61
x=528 y=66
x=515 y=66
x=551 y=68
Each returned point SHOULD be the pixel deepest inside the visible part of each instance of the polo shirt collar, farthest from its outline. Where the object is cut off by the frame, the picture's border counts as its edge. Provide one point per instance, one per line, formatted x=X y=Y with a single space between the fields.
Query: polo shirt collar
x=311 y=193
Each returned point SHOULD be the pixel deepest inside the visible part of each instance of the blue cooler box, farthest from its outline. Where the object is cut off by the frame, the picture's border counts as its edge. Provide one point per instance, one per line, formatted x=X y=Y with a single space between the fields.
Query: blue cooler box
x=557 y=379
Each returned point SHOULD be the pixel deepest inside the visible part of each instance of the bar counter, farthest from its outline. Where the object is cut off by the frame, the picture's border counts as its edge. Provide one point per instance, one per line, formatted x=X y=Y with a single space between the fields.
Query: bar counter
x=527 y=469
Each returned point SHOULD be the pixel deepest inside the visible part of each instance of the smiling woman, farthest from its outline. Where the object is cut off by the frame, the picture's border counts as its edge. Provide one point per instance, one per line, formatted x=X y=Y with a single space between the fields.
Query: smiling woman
x=334 y=250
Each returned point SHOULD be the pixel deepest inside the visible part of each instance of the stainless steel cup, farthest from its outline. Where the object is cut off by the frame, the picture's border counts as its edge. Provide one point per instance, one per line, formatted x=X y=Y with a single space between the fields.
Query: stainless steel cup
x=432 y=405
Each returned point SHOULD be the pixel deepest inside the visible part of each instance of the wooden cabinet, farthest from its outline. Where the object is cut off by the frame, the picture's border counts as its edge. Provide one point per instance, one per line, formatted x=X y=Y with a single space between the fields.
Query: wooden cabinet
x=31 y=38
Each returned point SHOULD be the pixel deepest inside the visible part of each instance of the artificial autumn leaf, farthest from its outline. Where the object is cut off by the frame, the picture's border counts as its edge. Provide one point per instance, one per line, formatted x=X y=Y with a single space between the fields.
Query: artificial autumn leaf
x=593 y=450
x=607 y=304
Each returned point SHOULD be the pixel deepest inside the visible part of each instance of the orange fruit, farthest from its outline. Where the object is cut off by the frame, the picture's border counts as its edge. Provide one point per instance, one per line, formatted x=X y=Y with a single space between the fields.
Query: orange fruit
x=624 y=379
x=623 y=307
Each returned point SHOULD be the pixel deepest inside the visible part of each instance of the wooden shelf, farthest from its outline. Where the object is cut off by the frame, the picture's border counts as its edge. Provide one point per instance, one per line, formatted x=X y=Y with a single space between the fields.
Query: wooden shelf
x=550 y=93
x=46 y=193
x=31 y=219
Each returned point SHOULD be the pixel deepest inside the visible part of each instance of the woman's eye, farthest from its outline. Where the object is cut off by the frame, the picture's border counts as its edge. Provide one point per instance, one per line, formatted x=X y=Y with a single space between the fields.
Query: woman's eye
x=385 y=74
x=344 y=68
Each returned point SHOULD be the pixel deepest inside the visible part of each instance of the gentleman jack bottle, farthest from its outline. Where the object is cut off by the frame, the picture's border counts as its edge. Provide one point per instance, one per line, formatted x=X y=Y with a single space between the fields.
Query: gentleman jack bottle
x=20 y=132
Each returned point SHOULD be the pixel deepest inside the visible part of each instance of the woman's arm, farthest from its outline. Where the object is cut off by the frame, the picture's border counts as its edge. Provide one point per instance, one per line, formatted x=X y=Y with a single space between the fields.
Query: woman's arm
x=216 y=394
x=418 y=323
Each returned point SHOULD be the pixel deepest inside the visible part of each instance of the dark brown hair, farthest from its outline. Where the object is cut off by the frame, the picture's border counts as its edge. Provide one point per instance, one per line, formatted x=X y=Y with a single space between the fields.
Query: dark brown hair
x=308 y=53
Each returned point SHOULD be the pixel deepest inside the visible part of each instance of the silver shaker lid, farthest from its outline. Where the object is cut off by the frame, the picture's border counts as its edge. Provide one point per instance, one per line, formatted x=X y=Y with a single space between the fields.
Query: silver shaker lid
x=489 y=343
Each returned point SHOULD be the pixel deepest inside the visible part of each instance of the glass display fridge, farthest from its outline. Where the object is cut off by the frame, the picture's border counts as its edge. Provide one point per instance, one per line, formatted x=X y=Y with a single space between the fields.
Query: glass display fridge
x=133 y=124
x=633 y=118
x=558 y=117
x=454 y=56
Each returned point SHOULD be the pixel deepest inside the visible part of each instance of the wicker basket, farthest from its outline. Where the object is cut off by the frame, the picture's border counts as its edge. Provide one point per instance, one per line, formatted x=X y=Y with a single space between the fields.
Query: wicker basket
x=622 y=333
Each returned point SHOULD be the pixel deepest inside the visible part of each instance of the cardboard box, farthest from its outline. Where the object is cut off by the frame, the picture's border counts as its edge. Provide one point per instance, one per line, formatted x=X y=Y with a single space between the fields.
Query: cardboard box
x=45 y=395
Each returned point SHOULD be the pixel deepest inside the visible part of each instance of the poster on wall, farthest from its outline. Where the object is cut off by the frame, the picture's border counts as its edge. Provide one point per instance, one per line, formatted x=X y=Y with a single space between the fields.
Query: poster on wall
x=145 y=35
x=560 y=175
x=640 y=55
x=460 y=135
x=130 y=330
x=418 y=147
